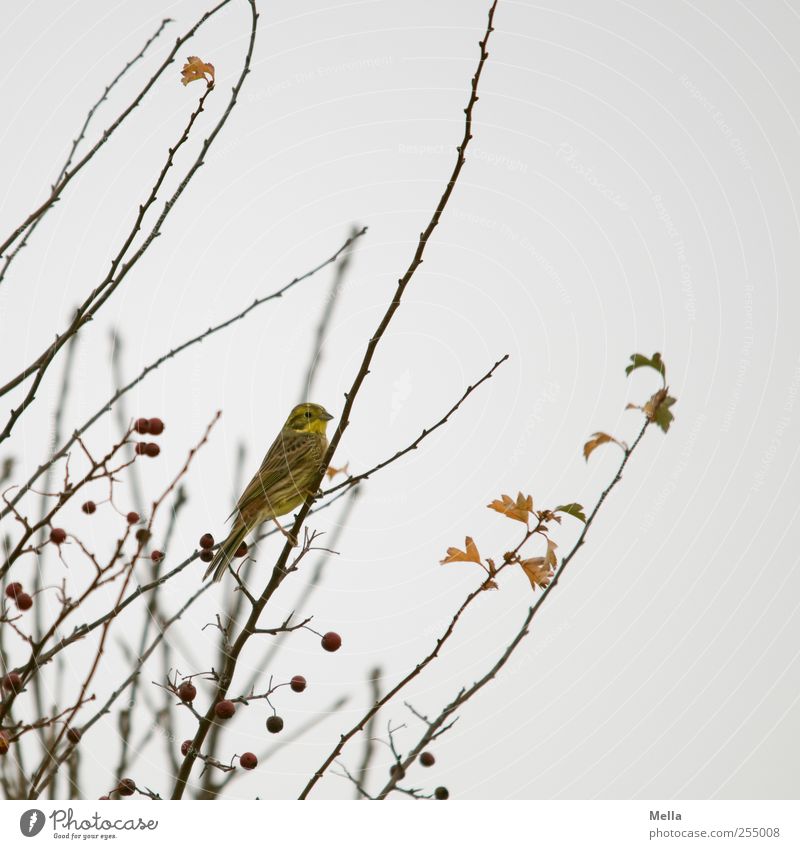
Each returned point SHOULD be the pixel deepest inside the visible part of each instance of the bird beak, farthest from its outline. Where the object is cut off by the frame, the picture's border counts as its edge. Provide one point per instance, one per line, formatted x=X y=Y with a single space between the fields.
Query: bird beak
x=327 y=416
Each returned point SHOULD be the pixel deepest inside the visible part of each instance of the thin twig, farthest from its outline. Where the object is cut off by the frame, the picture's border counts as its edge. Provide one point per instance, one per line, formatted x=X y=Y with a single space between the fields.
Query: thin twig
x=57 y=190
x=64 y=449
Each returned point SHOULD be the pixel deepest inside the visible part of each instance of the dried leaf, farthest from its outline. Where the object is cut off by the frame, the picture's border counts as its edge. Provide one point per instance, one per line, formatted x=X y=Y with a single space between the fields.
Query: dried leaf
x=597 y=439
x=332 y=471
x=538 y=572
x=641 y=361
x=574 y=509
x=519 y=509
x=469 y=555
x=196 y=69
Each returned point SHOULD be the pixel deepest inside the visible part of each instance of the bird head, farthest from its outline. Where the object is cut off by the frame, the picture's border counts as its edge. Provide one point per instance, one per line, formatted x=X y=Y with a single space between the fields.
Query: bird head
x=308 y=418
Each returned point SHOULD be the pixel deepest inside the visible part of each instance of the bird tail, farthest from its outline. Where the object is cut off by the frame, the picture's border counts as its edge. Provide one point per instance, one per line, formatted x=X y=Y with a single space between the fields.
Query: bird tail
x=226 y=551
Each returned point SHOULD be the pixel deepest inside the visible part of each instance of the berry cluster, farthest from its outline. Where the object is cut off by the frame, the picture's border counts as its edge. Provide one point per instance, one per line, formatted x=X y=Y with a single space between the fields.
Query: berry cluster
x=16 y=593
x=154 y=427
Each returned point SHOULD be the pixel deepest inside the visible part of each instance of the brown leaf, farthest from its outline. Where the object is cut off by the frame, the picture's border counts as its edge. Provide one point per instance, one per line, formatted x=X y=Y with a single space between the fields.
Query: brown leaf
x=537 y=570
x=470 y=555
x=196 y=69
x=597 y=439
x=550 y=557
x=519 y=509
x=332 y=471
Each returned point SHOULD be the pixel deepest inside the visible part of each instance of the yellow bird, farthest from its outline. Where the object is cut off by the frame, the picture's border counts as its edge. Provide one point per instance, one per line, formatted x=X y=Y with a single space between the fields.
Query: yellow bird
x=283 y=481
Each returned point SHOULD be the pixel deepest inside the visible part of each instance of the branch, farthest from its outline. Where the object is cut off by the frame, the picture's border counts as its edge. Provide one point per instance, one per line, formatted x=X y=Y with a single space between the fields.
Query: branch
x=279 y=571
x=354 y=479
x=56 y=191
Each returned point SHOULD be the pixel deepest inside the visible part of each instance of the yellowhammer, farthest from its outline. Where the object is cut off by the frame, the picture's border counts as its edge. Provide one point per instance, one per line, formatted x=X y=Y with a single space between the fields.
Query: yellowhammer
x=281 y=483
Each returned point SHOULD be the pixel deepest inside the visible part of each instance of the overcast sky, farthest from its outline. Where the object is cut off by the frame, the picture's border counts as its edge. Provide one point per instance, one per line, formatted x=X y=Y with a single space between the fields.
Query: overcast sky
x=631 y=186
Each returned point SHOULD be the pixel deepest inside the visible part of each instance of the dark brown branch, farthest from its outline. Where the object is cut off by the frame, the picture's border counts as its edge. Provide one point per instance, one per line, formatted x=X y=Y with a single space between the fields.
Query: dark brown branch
x=436 y=727
x=279 y=571
x=76 y=142
x=65 y=753
x=354 y=479
x=100 y=294
x=57 y=190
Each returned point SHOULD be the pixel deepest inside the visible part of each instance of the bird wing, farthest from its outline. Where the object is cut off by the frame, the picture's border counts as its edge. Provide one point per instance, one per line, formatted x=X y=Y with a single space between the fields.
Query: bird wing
x=289 y=452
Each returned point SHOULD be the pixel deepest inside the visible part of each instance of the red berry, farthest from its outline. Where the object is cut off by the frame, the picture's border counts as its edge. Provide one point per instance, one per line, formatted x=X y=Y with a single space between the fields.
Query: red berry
x=132 y=517
x=127 y=787
x=248 y=761
x=441 y=793
x=13 y=590
x=156 y=556
x=241 y=550
x=143 y=535
x=298 y=683
x=206 y=555
x=397 y=772
x=225 y=709
x=156 y=426
x=89 y=507
x=185 y=746
x=3 y=743
x=12 y=682
x=427 y=759
x=206 y=541
x=74 y=735
x=274 y=724
x=187 y=691
x=140 y=448
x=58 y=535
x=152 y=450
x=142 y=426
x=24 y=601
x=331 y=641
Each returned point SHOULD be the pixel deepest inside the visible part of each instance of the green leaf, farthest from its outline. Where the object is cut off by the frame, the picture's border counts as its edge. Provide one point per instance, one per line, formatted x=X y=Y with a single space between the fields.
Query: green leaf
x=641 y=361
x=663 y=416
x=574 y=509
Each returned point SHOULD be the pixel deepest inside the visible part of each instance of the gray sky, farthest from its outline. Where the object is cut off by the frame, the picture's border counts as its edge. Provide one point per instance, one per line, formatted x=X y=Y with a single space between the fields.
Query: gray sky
x=632 y=186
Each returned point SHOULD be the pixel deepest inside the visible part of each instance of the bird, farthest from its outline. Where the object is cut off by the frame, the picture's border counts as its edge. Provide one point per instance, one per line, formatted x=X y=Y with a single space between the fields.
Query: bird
x=282 y=482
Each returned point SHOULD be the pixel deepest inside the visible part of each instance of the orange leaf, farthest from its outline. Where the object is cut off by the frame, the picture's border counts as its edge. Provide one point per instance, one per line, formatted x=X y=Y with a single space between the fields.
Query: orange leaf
x=470 y=555
x=196 y=69
x=519 y=509
x=537 y=570
x=332 y=471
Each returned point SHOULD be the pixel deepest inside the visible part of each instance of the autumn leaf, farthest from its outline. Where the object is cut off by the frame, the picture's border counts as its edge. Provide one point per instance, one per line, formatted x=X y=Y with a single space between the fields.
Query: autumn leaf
x=332 y=471
x=657 y=409
x=537 y=570
x=575 y=510
x=640 y=361
x=597 y=439
x=469 y=555
x=196 y=69
x=519 y=509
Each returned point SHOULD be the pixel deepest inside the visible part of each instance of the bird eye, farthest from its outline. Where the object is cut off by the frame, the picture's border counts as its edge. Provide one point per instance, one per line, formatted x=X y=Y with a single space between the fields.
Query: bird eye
x=307 y=414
